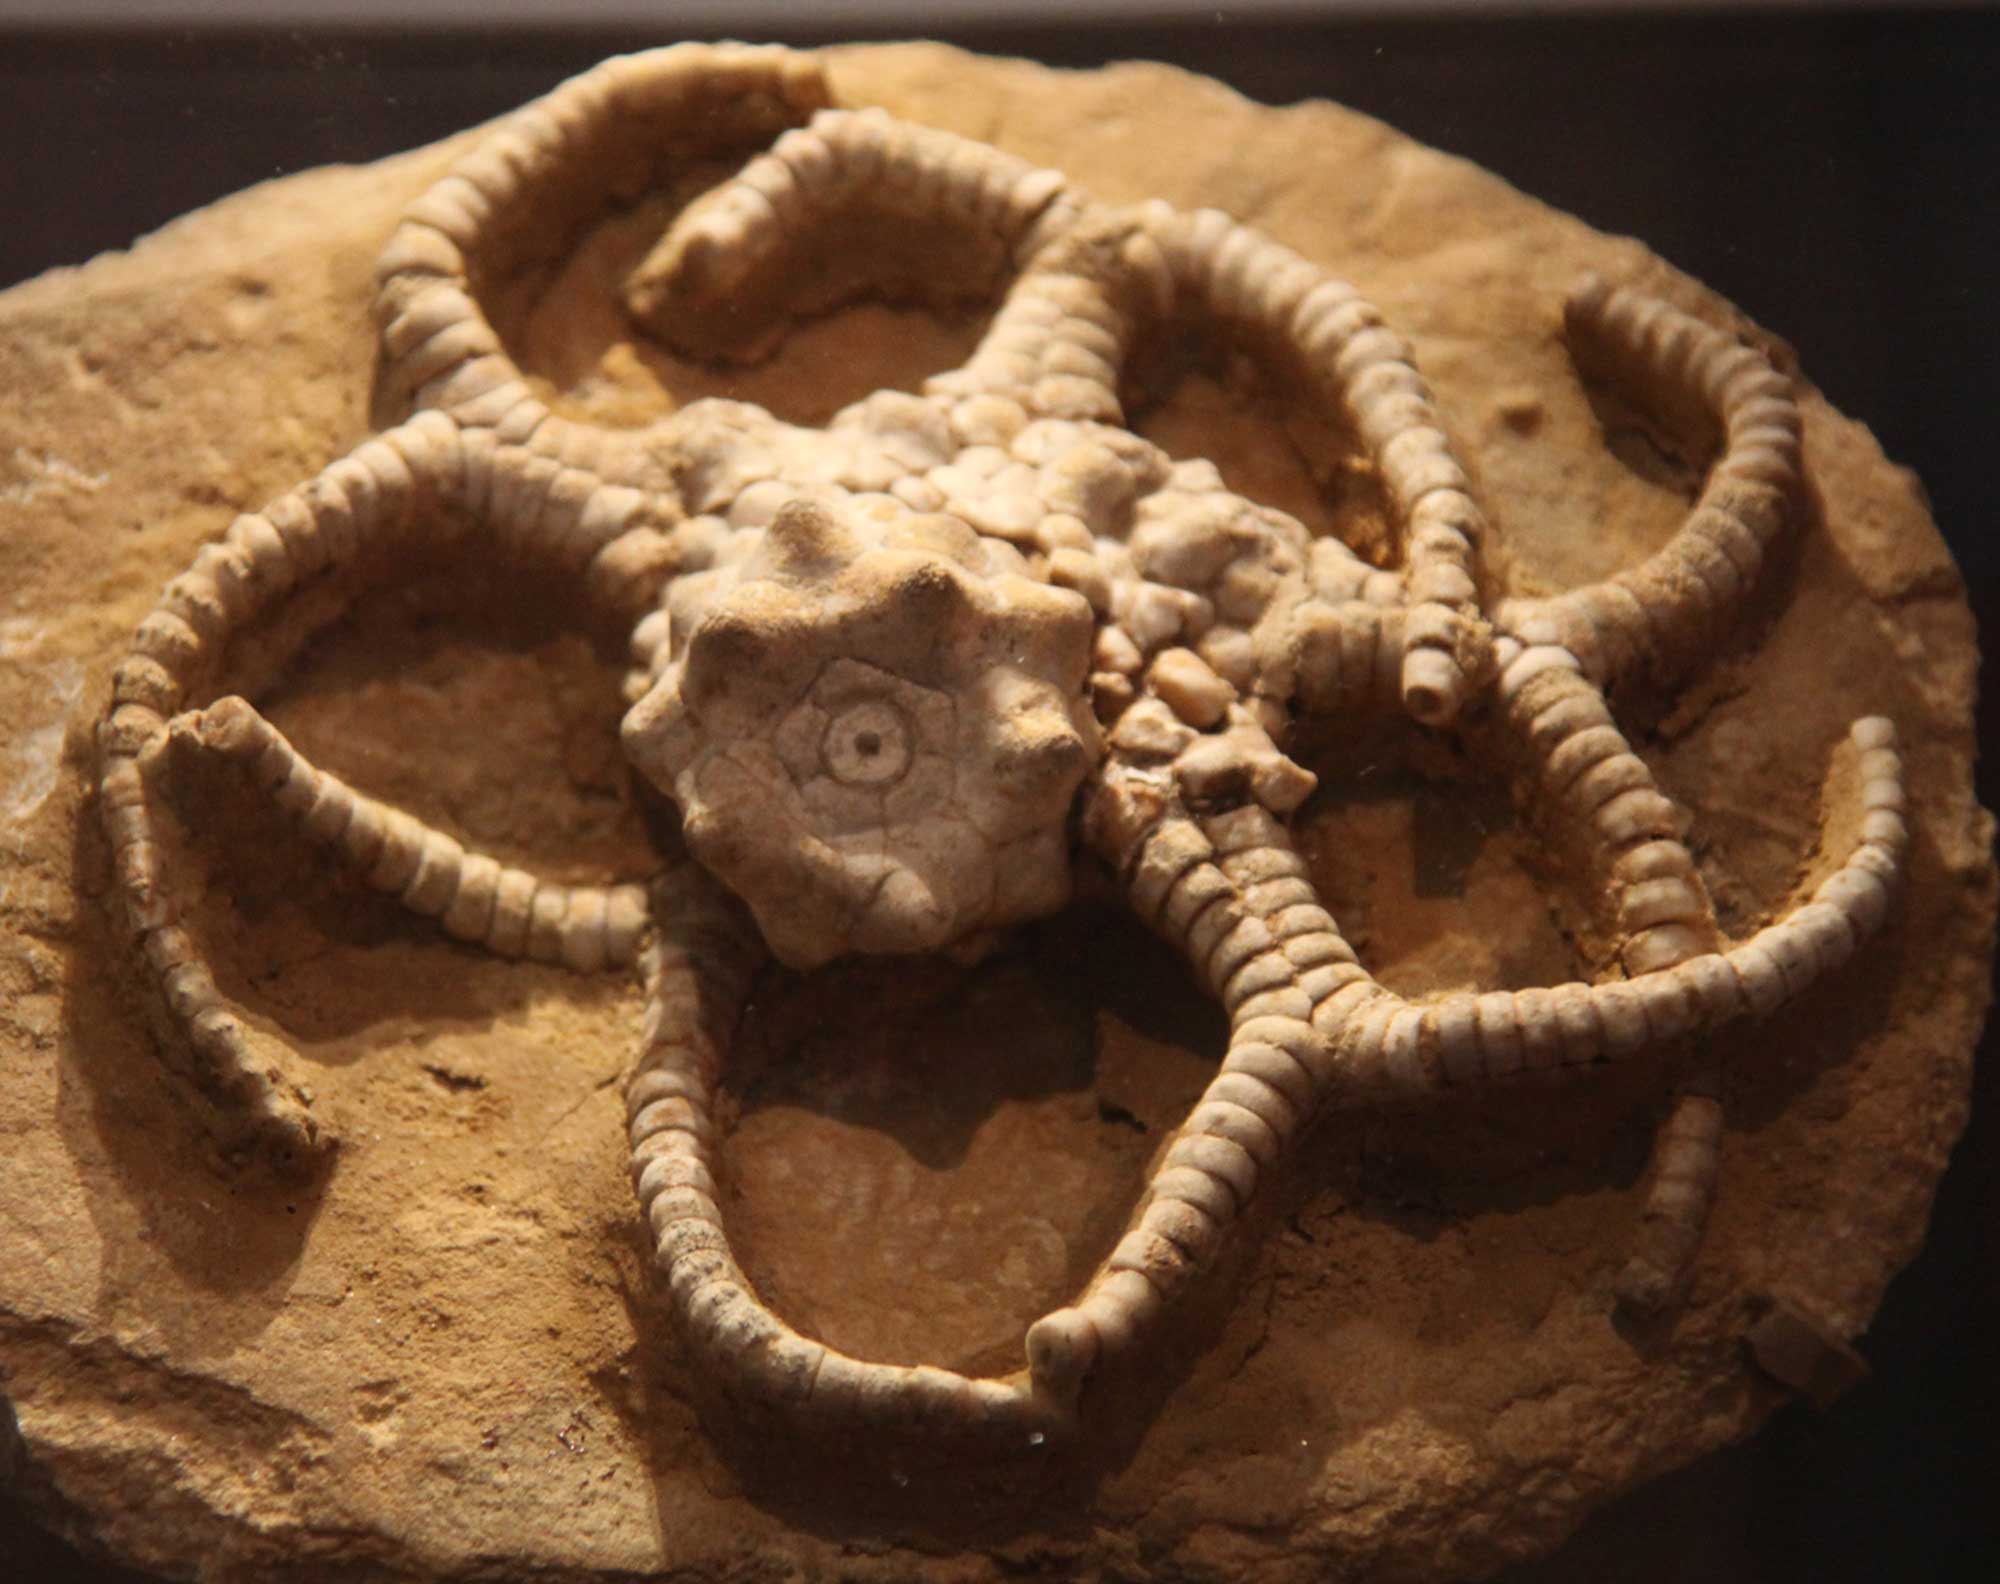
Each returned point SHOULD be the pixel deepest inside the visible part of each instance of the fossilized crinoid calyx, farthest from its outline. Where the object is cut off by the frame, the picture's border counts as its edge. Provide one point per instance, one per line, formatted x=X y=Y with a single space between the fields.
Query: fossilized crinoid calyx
x=863 y=652
x=873 y=731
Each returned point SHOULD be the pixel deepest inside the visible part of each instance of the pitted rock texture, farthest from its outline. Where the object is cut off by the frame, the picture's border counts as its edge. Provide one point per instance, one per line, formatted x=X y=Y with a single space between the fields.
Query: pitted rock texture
x=445 y=1360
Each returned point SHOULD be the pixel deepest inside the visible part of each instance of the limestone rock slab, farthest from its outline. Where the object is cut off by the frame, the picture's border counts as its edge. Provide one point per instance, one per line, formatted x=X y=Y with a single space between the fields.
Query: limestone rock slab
x=444 y=1361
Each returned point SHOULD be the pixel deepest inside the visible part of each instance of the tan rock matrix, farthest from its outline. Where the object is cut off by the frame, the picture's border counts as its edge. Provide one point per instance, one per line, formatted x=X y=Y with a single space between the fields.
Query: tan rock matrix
x=906 y=662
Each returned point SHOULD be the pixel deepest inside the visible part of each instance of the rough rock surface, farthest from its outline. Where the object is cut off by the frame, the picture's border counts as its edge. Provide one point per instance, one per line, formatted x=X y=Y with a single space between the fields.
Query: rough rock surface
x=444 y=1360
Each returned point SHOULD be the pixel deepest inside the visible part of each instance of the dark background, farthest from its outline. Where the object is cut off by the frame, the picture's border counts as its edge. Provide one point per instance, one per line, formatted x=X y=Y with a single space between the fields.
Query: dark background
x=1835 y=174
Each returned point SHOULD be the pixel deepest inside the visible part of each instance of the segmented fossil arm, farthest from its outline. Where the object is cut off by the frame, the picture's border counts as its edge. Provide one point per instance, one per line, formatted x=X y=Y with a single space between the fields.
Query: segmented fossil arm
x=476 y=898
x=1059 y=341
x=843 y=161
x=519 y=198
x=1338 y=340
x=612 y=542
x=1342 y=655
x=1605 y=798
x=1392 y=1046
x=698 y=970
x=1682 y=1177
x=401 y=495
x=1234 y=893
x=348 y=514
x=1666 y=615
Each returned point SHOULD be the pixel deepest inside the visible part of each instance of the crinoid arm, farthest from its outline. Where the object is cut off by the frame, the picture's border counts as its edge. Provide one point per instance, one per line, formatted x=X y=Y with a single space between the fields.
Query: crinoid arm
x=698 y=971
x=609 y=134
x=1335 y=338
x=782 y=228
x=475 y=898
x=1661 y=619
x=372 y=495
x=395 y=501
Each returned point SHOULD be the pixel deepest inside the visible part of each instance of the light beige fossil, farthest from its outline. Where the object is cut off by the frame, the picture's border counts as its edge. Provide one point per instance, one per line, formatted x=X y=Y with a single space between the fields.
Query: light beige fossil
x=476 y=898
x=881 y=667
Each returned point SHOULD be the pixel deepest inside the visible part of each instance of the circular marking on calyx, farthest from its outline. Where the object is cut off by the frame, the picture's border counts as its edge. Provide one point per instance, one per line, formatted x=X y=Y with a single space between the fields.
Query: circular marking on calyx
x=866 y=744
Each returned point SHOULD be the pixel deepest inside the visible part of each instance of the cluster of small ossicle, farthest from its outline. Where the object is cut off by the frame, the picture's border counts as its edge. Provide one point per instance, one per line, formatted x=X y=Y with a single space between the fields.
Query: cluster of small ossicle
x=1210 y=636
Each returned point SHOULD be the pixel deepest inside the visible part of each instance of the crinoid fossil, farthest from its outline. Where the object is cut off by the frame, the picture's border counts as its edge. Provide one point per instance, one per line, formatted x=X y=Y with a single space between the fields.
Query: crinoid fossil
x=897 y=675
